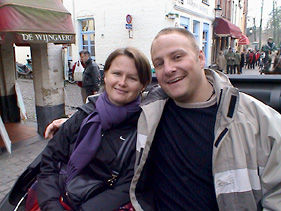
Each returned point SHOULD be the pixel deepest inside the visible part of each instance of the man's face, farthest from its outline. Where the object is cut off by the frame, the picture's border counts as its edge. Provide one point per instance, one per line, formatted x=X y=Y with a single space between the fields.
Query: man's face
x=178 y=67
x=84 y=57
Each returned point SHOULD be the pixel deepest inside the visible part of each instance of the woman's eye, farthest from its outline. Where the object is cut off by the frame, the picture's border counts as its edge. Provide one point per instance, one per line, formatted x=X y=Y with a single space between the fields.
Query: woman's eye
x=133 y=78
x=116 y=73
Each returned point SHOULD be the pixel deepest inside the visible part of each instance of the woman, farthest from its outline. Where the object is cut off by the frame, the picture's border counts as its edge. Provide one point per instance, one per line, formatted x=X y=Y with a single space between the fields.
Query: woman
x=88 y=143
x=221 y=61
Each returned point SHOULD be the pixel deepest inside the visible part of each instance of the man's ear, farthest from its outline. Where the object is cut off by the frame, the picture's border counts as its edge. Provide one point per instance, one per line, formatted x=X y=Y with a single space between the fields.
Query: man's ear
x=202 y=59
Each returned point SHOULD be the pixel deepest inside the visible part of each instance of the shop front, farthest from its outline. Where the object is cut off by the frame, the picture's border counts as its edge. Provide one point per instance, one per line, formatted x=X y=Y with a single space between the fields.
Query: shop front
x=44 y=25
x=225 y=34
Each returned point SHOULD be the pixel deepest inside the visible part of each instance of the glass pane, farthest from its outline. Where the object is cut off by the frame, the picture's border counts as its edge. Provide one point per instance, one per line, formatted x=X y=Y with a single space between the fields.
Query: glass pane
x=91 y=25
x=92 y=38
x=85 y=25
x=92 y=50
x=85 y=39
x=88 y=25
x=194 y=27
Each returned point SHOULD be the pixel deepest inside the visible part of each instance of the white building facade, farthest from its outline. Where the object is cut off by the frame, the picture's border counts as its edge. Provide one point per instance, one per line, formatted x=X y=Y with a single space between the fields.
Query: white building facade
x=103 y=26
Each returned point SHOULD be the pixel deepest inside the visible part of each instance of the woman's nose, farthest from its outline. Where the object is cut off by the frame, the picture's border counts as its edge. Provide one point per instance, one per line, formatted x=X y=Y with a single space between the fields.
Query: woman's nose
x=122 y=81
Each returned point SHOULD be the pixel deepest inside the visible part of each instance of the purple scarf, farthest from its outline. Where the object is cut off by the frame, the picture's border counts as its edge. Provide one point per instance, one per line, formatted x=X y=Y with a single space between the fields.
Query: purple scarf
x=105 y=116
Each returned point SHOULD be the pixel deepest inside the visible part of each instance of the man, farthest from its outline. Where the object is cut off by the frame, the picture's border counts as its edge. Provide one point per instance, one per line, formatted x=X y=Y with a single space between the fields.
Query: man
x=230 y=58
x=237 y=59
x=221 y=61
x=267 y=48
x=203 y=145
x=91 y=76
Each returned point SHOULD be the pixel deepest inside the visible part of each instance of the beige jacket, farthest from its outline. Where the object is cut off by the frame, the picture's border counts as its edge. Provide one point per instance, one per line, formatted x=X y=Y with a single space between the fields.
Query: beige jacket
x=246 y=150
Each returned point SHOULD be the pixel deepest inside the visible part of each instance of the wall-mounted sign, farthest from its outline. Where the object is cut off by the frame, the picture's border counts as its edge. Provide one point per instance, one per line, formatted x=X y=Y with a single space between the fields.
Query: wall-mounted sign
x=129 y=26
x=129 y=19
x=36 y=38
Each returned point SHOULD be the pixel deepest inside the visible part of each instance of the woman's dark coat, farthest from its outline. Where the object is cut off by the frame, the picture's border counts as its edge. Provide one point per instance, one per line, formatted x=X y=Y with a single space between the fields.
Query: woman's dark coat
x=59 y=150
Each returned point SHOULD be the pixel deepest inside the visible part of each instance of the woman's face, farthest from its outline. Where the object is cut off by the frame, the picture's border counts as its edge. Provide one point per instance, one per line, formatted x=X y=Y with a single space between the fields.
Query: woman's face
x=122 y=82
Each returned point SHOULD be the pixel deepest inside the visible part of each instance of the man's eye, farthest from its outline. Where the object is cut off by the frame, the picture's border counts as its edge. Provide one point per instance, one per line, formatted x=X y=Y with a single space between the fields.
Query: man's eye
x=177 y=57
x=158 y=64
x=116 y=73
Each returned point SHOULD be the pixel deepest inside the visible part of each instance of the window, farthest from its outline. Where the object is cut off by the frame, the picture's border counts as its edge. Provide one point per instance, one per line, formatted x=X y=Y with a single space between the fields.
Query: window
x=205 y=39
x=205 y=2
x=180 y=1
x=196 y=25
x=87 y=35
x=184 y=21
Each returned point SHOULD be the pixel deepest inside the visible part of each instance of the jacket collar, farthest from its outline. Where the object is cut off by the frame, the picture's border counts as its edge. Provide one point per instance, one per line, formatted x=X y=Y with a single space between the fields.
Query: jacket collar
x=88 y=61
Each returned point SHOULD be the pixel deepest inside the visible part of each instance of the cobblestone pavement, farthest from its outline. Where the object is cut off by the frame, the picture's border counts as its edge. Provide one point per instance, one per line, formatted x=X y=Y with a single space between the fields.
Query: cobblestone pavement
x=72 y=97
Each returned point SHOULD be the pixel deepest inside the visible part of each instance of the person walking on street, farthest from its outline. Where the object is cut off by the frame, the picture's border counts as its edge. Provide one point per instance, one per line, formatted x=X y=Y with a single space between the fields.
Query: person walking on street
x=253 y=59
x=258 y=54
x=221 y=61
x=91 y=76
x=237 y=60
x=248 y=59
x=202 y=144
x=267 y=48
x=242 y=62
x=230 y=58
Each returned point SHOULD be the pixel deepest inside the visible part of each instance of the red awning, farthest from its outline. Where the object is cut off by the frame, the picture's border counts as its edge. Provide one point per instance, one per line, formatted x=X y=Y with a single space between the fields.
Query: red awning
x=35 y=21
x=243 y=40
x=224 y=28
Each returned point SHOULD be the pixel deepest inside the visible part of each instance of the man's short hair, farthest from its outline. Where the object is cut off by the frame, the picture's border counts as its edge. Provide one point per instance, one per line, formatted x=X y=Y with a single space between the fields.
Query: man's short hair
x=184 y=32
x=84 y=52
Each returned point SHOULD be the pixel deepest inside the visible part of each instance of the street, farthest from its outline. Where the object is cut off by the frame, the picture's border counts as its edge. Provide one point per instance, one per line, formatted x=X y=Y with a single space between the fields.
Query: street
x=72 y=97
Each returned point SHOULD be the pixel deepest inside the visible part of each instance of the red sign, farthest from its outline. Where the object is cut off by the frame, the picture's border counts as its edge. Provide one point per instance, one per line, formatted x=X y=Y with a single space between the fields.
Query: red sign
x=129 y=19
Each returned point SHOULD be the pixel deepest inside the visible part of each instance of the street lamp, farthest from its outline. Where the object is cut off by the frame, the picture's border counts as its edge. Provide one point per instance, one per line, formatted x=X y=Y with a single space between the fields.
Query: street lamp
x=218 y=10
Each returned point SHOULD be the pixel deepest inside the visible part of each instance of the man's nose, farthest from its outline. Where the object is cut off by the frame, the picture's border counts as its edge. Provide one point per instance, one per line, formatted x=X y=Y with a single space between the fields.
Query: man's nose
x=169 y=67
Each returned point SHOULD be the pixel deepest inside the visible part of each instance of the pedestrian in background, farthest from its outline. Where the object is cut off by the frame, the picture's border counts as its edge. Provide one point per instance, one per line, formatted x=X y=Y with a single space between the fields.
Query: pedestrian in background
x=253 y=59
x=221 y=62
x=258 y=58
x=248 y=59
x=237 y=60
x=230 y=58
x=267 y=48
x=242 y=62
x=91 y=76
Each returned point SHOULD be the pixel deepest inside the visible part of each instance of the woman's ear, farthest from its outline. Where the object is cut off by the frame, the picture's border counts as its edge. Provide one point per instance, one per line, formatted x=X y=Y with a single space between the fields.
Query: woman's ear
x=104 y=78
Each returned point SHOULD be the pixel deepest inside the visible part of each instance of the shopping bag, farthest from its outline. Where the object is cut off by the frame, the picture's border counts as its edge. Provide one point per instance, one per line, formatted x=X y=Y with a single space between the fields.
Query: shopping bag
x=78 y=71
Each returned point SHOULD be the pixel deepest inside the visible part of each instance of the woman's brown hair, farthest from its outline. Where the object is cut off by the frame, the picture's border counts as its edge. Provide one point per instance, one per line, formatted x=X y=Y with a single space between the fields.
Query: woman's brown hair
x=142 y=64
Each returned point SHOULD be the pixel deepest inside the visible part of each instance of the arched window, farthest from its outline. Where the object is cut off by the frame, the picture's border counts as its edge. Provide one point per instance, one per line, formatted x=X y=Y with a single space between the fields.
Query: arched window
x=87 y=35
